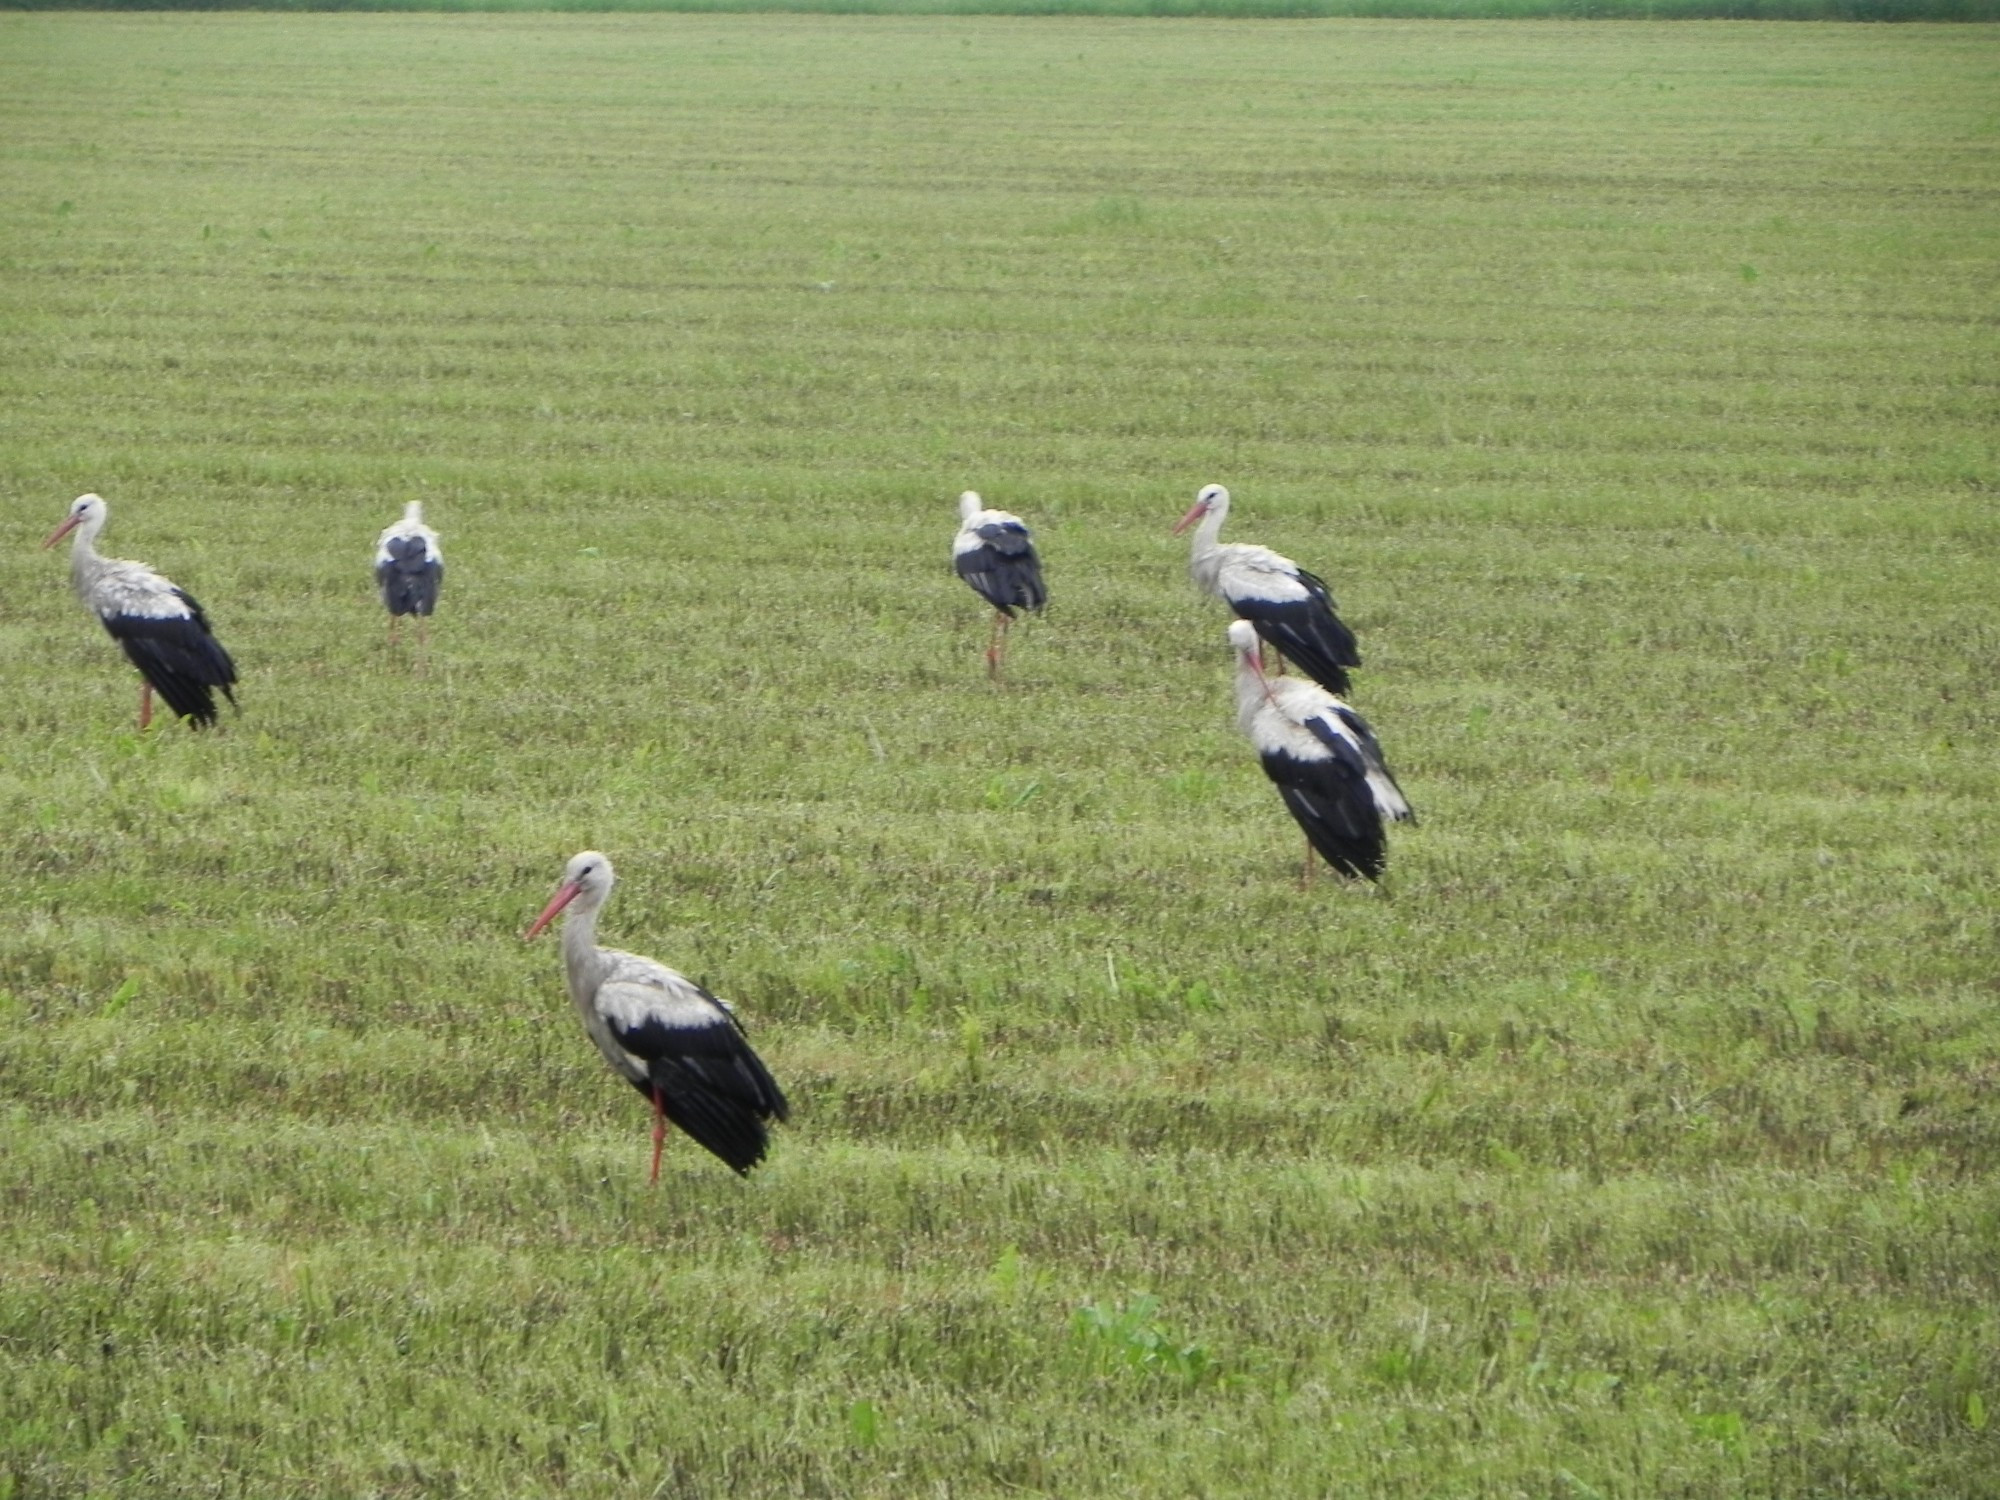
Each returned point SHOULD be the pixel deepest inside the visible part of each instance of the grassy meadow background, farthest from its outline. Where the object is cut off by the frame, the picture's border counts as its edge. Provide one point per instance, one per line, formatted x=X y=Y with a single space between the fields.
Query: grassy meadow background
x=1634 y=385
x=1649 y=10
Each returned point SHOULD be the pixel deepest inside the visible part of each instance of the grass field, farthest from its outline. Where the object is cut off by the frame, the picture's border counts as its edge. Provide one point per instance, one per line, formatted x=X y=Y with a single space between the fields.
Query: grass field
x=1633 y=385
x=1646 y=10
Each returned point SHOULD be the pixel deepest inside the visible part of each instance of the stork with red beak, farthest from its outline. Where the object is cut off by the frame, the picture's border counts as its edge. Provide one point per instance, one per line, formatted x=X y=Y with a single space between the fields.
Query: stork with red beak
x=661 y=1032
x=161 y=628
x=1291 y=608
x=1324 y=760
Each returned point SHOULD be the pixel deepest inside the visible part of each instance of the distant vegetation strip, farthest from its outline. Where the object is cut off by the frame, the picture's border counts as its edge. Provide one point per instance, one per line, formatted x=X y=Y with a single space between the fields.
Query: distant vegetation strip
x=1656 y=10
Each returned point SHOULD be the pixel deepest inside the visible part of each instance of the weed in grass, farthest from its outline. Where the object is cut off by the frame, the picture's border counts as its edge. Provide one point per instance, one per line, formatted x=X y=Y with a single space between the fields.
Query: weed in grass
x=1126 y=1335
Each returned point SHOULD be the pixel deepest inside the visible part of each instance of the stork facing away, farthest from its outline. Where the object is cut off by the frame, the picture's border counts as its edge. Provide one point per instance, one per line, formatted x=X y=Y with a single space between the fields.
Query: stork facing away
x=409 y=569
x=162 y=630
x=1324 y=760
x=663 y=1033
x=1290 y=608
x=994 y=553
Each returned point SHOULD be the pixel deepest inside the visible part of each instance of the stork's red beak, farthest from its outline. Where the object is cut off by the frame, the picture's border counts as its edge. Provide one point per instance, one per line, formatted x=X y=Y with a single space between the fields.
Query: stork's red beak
x=563 y=896
x=1254 y=654
x=1195 y=513
x=62 y=531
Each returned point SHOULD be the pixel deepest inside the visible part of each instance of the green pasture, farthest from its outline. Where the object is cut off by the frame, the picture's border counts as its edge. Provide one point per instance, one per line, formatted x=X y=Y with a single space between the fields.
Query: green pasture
x=1646 y=10
x=1633 y=385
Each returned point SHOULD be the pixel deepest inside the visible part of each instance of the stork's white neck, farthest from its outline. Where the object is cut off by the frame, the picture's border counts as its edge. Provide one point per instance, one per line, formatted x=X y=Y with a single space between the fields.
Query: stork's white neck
x=579 y=945
x=84 y=539
x=413 y=512
x=84 y=563
x=1251 y=692
x=1205 y=562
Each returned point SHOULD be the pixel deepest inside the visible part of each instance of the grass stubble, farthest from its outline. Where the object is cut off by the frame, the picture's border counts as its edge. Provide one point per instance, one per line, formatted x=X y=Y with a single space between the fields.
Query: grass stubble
x=1633 y=386
x=1239 y=10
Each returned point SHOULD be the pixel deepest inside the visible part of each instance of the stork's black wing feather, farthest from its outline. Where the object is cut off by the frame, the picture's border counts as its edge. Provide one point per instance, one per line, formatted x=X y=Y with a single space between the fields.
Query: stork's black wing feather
x=1008 y=538
x=1361 y=731
x=410 y=577
x=177 y=655
x=1365 y=758
x=709 y=1102
x=1330 y=800
x=711 y=1084
x=1353 y=759
x=1306 y=631
x=718 y=1055
x=1005 y=572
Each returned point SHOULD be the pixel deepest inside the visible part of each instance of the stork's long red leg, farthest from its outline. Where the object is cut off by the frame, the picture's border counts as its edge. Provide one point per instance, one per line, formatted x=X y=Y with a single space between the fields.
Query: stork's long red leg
x=659 y=1135
x=145 y=703
x=1311 y=869
x=996 y=646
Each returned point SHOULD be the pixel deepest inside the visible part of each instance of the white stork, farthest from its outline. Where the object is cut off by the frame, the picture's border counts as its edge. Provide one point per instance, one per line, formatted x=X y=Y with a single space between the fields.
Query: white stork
x=1323 y=758
x=664 y=1034
x=994 y=553
x=1291 y=608
x=409 y=569
x=163 y=631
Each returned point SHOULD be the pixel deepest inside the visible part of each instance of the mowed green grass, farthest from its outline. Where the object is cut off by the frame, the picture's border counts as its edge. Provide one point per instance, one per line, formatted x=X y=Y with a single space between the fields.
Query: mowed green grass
x=1634 y=385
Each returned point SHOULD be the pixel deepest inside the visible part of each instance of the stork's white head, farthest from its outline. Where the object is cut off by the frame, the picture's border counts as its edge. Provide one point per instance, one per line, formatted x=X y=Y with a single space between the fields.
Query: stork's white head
x=590 y=870
x=970 y=505
x=588 y=876
x=413 y=511
x=1249 y=658
x=86 y=511
x=1212 y=499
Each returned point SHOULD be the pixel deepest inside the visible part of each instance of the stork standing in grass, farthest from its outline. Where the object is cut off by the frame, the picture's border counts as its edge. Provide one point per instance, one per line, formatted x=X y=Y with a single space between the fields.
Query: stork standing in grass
x=994 y=553
x=1290 y=608
x=664 y=1034
x=409 y=568
x=1324 y=760
x=162 y=630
